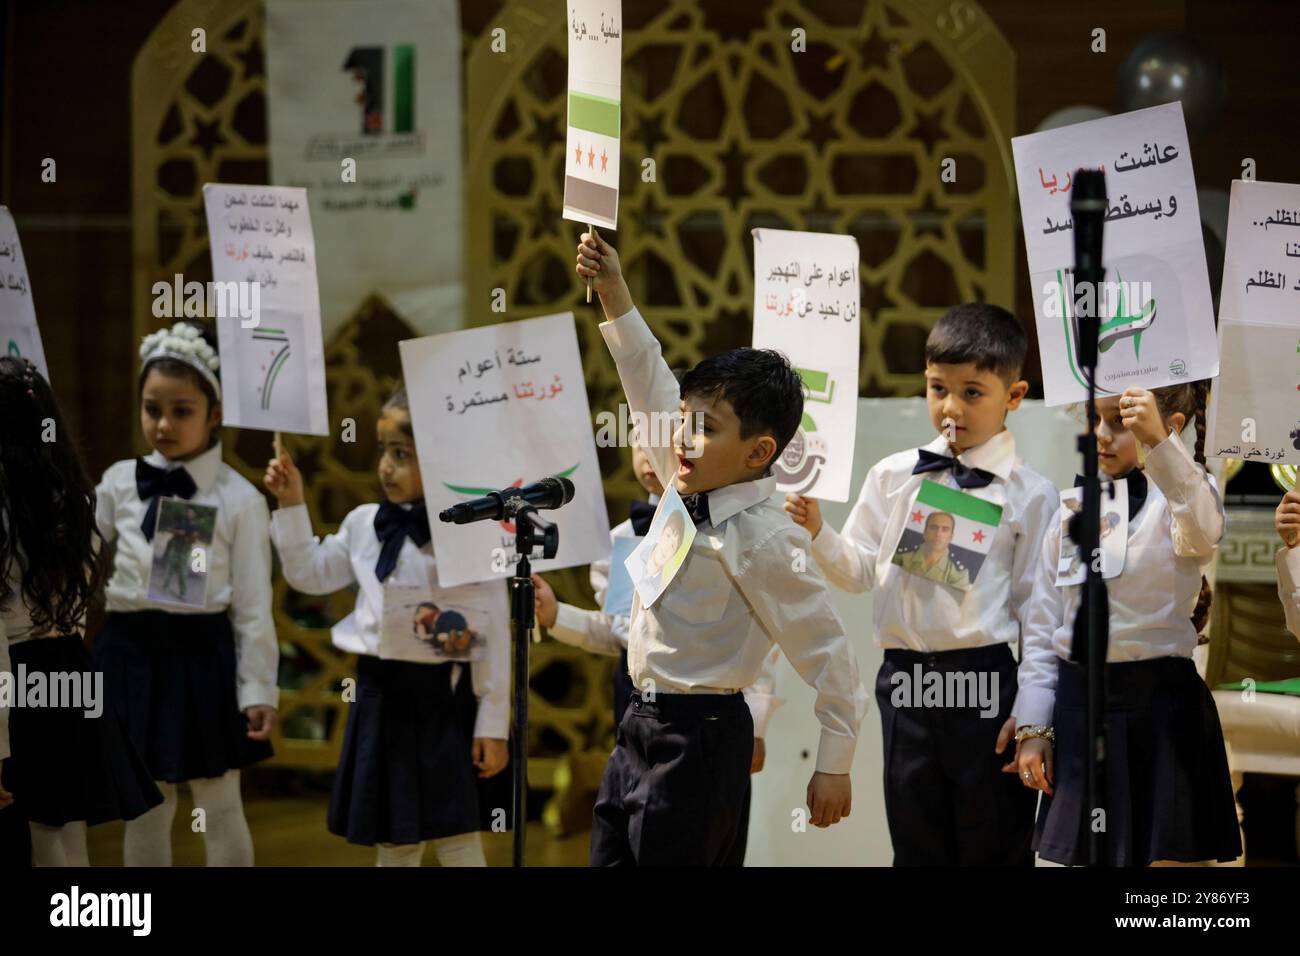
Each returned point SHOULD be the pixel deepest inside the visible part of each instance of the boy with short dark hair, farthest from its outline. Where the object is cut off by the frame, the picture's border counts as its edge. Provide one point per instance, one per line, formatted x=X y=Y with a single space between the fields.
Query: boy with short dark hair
x=946 y=795
x=673 y=790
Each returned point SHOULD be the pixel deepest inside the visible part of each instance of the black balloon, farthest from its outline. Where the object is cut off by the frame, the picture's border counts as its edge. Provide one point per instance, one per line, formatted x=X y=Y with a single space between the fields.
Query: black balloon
x=1165 y=67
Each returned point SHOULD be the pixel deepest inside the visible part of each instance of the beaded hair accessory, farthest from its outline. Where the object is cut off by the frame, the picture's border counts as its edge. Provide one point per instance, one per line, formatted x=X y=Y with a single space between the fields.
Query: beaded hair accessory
x=29 y=376
x=185 y=344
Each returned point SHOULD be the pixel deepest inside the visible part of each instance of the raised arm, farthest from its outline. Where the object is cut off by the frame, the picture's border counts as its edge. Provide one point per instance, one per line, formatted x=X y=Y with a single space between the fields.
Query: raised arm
x=1194 y=501
x=848 y=557
x=653 y=394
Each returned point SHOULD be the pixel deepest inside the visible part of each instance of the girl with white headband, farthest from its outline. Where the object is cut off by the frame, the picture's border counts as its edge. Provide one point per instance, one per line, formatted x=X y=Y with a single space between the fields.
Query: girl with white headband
x=194 y=683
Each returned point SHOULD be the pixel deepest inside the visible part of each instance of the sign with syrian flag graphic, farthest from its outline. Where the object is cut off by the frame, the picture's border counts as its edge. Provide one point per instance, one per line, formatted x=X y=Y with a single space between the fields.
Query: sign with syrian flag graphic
x=595 y=111
x=496 y=407
x=1157 y=315
x=947 y=536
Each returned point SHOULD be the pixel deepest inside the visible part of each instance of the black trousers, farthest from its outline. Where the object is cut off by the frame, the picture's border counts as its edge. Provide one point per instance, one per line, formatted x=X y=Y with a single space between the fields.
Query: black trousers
x=946 y=797
x=676 y=788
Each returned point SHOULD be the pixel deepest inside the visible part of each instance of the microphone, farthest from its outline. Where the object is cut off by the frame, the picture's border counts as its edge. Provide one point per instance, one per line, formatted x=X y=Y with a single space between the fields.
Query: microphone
x=1088 y=210
x=551 y=492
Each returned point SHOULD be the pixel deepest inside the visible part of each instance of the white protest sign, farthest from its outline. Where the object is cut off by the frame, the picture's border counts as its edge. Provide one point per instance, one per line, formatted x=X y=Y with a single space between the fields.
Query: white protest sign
x=1157 y=316
x=806 y=300
x=1255 y=403
x=364 y=105
x=500 y=406
x=272 y=366
x=19 y=336
x=595 y=29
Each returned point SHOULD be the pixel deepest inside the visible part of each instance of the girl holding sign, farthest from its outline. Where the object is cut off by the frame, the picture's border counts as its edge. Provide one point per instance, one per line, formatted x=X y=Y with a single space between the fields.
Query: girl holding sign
x=1170 y=797
x=72 y=764
x=415 y=736
x=195 y=682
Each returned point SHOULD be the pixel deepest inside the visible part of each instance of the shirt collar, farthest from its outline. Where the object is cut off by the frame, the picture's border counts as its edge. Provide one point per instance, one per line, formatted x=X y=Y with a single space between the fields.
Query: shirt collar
x=731 y=500
x=202 y=468
x=997 y=455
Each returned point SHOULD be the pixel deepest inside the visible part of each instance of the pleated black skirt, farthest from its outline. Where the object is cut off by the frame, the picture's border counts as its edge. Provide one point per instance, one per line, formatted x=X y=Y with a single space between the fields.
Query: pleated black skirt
x=1169 y=790
x=68 y=765
x=172 y=678
x=405 y=774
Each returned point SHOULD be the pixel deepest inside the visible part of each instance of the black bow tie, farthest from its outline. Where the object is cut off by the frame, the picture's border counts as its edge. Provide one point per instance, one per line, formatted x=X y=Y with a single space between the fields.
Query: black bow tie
x=393 y=525
x=153 y=483
x=966 y=477
x=1137 y=489
x=698 y=505
x=642 y=513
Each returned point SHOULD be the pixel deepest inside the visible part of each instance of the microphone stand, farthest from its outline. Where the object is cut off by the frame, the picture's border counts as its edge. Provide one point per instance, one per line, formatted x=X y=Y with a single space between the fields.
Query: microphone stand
x=530 y=531
x=1092 y=621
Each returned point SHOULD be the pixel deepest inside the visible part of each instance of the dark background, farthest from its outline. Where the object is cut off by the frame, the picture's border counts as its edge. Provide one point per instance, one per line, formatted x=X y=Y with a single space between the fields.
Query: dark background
x=65 y=94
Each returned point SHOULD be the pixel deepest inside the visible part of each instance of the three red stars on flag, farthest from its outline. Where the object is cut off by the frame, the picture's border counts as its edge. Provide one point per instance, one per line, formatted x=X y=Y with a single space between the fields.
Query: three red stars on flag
x=591 y=158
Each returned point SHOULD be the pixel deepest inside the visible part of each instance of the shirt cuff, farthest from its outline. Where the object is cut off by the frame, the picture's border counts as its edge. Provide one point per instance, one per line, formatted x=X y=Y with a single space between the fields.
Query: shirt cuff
x=290 y=526
x=1034 y=706
x=826 y=546
x=627 y=335
x=492 y=720
x=761 y=708
x=255 y=693
x=1171 y=467
x=835 y=752
x=573 y=627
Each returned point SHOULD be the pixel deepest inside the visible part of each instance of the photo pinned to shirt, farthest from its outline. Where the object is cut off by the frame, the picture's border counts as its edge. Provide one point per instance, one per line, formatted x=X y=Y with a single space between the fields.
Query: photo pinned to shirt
x=947 y=536
x=658 y=557
x=618 y=590
x=182 y=543
x=434 y=626
x=1070 y=566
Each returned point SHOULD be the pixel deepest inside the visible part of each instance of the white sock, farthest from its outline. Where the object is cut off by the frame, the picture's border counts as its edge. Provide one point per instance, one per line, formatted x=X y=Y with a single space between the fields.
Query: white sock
x=399 y=854
x=226 y=837
x=463 y=849
x=59 y=846
x=147 y=840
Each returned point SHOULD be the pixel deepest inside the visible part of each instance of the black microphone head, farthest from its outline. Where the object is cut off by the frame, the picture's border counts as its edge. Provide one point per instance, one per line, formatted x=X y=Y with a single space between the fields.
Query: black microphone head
x=567 y=485
x=1088 y=189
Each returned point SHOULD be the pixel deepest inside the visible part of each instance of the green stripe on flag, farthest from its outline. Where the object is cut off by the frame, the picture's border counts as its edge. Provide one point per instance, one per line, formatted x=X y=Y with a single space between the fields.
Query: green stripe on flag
x=594 y=113
x=404 y=88
x=958 y=503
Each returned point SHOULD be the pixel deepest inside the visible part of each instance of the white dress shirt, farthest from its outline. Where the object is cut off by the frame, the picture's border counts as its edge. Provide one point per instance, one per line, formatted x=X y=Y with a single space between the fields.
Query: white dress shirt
x=349 y=557
x=915 y=613
x=606 y=634
x=1170 y=540
x=239 y=561
x=736 y=593
x=1288 y=586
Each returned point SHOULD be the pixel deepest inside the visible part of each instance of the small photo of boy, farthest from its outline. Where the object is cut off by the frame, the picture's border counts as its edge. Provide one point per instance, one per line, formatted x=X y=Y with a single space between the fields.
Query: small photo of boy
x=182 y=538
x=1070 y=568
x=655 y=561
x=448 y=624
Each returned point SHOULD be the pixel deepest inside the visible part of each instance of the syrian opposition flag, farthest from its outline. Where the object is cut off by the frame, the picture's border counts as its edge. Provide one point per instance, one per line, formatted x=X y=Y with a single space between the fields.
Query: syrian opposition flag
x=595 y=112
x=975 y=523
